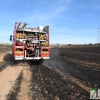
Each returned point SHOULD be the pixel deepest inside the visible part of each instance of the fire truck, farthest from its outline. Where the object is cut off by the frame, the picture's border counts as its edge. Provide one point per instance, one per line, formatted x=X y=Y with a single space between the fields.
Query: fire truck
x=30 y=44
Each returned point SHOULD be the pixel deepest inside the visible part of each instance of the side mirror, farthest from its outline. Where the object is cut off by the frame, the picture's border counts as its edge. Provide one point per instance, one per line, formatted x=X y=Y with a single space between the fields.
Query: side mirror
x=10 y=37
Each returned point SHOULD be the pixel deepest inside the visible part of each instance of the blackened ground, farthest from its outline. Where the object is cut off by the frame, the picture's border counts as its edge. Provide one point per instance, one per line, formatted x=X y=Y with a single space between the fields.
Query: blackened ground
x=85 y=49
x=83 y=68
x=52 y=85
x=67 y=75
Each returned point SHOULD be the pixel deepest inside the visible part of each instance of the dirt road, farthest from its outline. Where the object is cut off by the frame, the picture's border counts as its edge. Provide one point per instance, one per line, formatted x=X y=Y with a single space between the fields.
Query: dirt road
x=67 y=75
x=8 y=76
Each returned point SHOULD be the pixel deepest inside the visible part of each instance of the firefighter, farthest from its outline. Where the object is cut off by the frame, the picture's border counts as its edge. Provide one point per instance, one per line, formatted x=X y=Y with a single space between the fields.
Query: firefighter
x=19 y=43
x=29 y=47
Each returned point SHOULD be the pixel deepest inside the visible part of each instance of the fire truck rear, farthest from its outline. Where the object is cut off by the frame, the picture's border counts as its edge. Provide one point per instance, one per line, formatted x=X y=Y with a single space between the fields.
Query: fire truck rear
x=30 y=43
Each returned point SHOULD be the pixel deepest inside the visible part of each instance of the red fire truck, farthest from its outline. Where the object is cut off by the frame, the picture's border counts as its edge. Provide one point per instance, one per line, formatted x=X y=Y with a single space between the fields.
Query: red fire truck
x=30 y=43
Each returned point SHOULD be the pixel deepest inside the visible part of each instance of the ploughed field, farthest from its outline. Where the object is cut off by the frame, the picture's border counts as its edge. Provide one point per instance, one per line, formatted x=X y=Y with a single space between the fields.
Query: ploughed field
x=84 y=64
x=69 y=74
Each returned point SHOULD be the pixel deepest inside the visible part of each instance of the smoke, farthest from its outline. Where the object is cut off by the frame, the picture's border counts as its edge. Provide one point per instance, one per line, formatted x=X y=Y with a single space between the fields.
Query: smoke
x=55 y=62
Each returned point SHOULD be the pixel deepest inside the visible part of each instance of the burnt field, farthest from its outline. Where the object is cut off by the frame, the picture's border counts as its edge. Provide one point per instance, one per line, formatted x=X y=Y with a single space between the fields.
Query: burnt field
x=67 y=75
x=85 y=49
x=84 y=64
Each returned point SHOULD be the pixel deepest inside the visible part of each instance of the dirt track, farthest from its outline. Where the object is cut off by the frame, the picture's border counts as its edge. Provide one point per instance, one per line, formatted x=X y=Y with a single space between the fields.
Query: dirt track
x=67 y=75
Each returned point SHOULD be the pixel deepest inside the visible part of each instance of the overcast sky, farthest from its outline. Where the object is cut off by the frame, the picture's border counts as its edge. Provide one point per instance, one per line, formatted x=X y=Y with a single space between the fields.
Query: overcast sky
x=70 y=21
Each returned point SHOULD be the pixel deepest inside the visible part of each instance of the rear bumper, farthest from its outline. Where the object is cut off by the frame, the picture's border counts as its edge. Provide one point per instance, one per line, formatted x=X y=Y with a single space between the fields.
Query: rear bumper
x=31 y=58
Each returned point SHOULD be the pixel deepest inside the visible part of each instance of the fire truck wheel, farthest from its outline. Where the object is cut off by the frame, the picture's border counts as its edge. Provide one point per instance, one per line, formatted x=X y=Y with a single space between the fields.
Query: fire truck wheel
x=14 y=61
x=40 y=61
x=36 y=62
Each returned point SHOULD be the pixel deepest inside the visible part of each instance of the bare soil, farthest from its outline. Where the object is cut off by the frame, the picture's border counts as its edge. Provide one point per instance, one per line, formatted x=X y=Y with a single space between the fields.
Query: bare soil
x=5 y=48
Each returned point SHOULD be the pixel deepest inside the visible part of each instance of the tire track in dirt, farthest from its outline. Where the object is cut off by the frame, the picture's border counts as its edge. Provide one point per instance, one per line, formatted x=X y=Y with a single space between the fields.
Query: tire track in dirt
x=5 y=60
x=24 y=92
x=8 y=77
x=15 y=88
x=12 y=84
x=21 y=90
x=3 y=65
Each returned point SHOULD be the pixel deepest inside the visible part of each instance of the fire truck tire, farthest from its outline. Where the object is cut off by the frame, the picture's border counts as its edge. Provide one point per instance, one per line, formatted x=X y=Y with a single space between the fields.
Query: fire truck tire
x=39 y=62
x=14 y=61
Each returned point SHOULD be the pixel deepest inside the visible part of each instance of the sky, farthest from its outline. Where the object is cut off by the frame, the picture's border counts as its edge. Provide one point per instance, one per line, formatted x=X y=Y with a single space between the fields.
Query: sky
x=70 y=21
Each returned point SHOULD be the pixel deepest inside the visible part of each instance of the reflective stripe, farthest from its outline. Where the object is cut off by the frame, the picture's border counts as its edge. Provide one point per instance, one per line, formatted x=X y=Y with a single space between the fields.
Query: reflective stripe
x=31 y=58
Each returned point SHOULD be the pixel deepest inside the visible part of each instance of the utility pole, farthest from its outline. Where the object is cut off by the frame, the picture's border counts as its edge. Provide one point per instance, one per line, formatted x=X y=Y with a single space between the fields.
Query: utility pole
x=98 y=35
